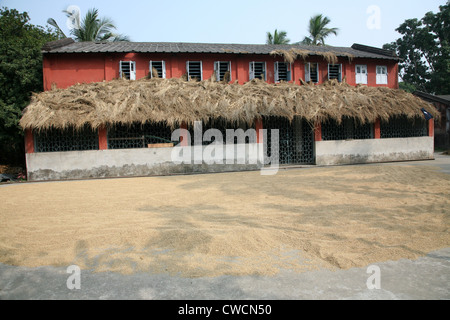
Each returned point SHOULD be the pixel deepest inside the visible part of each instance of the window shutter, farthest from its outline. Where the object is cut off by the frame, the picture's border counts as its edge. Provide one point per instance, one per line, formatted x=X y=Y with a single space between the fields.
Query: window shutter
x=277 y=77
x=163 y=69
x=120 y=72
x=307 y=72
x=187 y=70
x=252 y=71
x=217 y=70
x=133 y=63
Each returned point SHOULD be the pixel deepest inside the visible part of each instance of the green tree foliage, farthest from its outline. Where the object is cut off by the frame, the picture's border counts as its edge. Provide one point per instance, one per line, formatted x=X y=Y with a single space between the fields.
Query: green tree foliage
x=318 y=31
x=425 y=50
x=277 y=37
x=20 y=75
x=92 y=28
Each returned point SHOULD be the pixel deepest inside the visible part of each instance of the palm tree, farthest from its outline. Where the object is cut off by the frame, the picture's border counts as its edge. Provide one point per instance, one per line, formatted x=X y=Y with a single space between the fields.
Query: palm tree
x=277 y=37
x=92 y=28
x=318 y=31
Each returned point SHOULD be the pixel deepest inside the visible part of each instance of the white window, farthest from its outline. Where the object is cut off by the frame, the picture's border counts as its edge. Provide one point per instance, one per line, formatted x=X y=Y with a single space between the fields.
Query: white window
x=128 y=70
x=361 y=74
x=335 y=72
x=194 y=70
x=258 y=70
x=158 y=66
x=382 y=75
x=282 y=71
x=221 y=68
x=312 y=72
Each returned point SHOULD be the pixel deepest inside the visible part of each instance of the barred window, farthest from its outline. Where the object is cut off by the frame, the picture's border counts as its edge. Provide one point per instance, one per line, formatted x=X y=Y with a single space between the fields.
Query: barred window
x=349 y=129
x=138 y=135
x=70 y=139
x=404 y=127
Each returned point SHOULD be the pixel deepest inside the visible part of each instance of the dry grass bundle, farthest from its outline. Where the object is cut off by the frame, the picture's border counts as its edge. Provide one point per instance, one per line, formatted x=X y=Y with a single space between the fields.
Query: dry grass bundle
x=173 y=101
x=293 y=54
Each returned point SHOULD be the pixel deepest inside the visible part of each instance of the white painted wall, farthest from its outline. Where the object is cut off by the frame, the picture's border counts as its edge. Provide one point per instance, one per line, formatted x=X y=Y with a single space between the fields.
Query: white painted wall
x=135 y=162
x=374 y=150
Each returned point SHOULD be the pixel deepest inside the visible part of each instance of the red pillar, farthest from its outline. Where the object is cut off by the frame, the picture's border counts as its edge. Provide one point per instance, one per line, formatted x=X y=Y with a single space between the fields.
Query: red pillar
x=431 y=128
x=259 y=131
x=184 y=136
x=102 y=138
x=318 y=132
x=29 y=141
x=377 y=129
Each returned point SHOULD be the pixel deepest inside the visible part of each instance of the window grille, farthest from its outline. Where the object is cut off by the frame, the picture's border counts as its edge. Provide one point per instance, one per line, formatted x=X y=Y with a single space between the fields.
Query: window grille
x=257 y=70
x=138 y=135
x=404 y=127
x=312 y=72
x=349 y=129
x=194 y=70
x=296 y=140
x=128 y=70
x=335 y=72
x=159 y=66
x=282 y=71
x=70 y=139
x=221 y=68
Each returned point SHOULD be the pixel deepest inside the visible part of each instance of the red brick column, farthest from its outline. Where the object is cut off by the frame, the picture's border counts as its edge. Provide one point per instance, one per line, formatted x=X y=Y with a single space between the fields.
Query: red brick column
x=29 y=141
x=377 y=129
x=184 y=136
x=431 y=128
x=259 y=133
x=318 y=132
x=102 y=138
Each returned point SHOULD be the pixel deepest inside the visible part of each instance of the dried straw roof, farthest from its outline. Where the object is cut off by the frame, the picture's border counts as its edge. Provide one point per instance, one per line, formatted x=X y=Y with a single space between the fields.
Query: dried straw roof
x=175 y=101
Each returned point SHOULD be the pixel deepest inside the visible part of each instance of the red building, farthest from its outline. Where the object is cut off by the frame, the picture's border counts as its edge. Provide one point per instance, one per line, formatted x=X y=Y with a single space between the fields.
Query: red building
x=397 y=129
x=67 y=63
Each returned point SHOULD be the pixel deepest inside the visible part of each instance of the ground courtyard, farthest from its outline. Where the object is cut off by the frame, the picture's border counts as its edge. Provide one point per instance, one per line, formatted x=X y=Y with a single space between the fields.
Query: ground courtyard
x=242 y=223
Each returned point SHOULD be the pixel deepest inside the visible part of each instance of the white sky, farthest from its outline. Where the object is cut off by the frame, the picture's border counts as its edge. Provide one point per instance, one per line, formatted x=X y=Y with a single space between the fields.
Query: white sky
x=238 y=21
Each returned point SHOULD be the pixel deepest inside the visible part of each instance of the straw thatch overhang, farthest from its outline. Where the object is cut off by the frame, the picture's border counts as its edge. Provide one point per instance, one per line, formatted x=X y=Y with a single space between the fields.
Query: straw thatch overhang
x=175 y=101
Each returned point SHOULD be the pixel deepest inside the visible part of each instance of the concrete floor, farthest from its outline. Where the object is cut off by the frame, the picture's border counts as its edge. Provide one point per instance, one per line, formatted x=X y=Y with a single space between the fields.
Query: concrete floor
x=427 y=278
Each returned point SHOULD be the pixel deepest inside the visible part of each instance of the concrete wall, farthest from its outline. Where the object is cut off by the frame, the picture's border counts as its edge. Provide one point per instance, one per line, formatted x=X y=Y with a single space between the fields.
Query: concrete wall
x=377 y=150
x=134 y=162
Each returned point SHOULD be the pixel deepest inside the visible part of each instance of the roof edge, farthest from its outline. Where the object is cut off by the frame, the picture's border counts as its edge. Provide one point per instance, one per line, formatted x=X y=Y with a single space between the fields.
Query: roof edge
x=375 y=50
x=49 y=46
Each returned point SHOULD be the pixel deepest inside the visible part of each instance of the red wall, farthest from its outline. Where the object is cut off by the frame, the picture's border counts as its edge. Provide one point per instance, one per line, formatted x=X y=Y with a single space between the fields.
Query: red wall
x=64 y=70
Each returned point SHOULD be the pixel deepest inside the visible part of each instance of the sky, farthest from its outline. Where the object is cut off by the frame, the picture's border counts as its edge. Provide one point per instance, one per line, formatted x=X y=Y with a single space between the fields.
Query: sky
x=368 y=22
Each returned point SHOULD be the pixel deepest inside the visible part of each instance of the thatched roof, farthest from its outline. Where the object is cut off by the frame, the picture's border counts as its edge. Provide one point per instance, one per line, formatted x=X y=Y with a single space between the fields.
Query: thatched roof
x=175 y=101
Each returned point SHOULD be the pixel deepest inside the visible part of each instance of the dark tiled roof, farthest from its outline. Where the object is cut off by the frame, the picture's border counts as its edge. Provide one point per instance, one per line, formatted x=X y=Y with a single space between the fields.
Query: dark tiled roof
x=172 y=47
x=432 y=98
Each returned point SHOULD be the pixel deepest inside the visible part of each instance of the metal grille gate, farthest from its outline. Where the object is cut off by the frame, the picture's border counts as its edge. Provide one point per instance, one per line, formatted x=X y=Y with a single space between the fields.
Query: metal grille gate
x=296 y=145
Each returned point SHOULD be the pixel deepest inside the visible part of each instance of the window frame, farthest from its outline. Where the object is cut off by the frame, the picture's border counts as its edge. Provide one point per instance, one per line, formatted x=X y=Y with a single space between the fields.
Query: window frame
x=252 y=70
x=382 y=78
x=366 y=73
x=217 y=69
x=308 y=71
x=132 y=65
x=201 y=69
x=340 y=71
x=163 y=68
x=277 y=68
